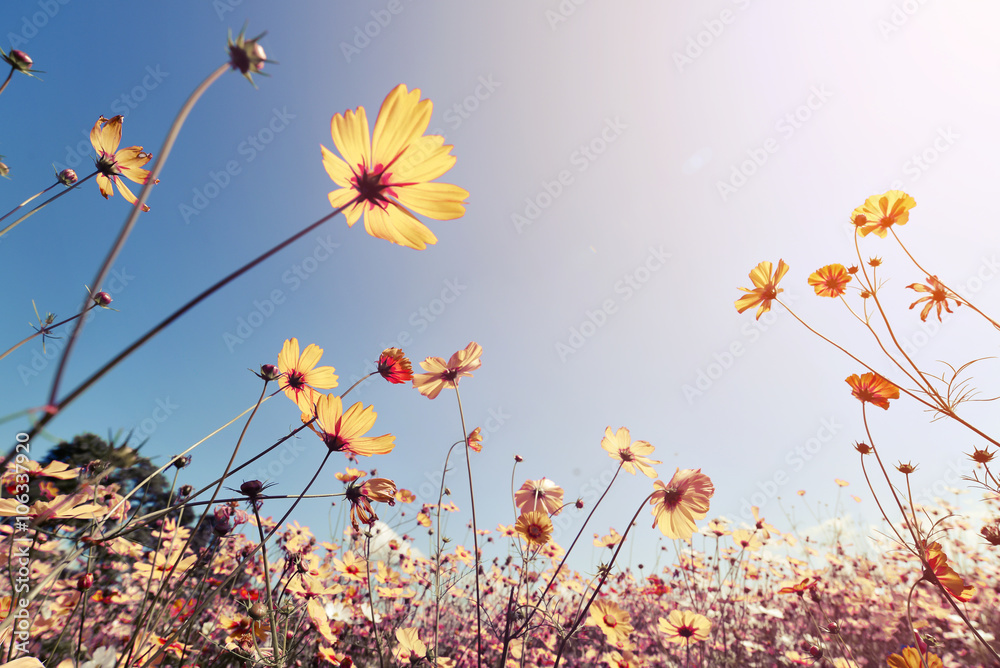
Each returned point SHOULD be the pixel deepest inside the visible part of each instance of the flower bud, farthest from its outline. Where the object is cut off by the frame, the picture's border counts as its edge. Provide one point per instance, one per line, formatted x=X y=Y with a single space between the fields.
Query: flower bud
x=181 y=462
x=257 y=611
x=102 y=299
x=815 y=652
x=269 y=372
x=85 y=582
x=67 y=177
x=252 y=489
x=186 y=491
x=20 y=61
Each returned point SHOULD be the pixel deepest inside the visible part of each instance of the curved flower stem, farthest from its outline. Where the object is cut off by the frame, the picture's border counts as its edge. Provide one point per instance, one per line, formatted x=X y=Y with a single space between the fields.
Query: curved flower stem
x=892 y=525
x=40 y=206
x=927 y=273
x=909 y=620
x=555 y=573
x=7 y=80
x=278 y=655
x=224 y=586
x=138 y=343
x=925 y=384
x=604 y=576
x=437 y=553
x=133 y=216
x=475 y=534
x=36 y=195
x=47 y=329
x=371 y=599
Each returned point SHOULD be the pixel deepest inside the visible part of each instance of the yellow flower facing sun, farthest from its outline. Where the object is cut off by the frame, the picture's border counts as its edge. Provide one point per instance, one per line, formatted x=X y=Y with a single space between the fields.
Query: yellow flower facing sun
x=619 y=445
x=880 y=212
x=342 y=431
x=765 y=288
x=300 y=377
x=830 y=281
x=684 y=626
x=387 y=176
x=678 y=503
x=114 y=163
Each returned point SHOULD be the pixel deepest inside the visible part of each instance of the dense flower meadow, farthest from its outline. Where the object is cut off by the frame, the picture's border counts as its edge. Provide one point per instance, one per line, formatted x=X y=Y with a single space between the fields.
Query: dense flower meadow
x=112 y=562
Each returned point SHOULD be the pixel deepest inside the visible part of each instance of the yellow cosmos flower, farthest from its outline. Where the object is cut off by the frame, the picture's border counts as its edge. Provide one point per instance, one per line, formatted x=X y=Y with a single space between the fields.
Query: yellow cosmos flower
x=388 y=177
x=342 y=431
x=112 y=163
x=830 y=281
x=300 y=377
x=678 y=503
x=684 y=626
x=910 y=658
x=535 y=527
x=443 y=374
x=765 y=288
x=612 y=620
x=619 y=446
x=880 y=212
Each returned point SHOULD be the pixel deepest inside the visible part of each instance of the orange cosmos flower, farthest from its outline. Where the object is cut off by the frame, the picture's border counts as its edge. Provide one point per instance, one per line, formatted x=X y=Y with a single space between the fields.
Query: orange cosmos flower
x=940 y=571
x=937 y=297
x=300 y=378
x=800 y=588
x=619 y=446
x=873 y=388
x=447 y=374
x=112 y=163
x=765 y=288
x=611 y=619
x=361 y=496
x=535 y=527
x=880 y=212
x=342 y=431
x=388 y=177
x=910 y=658
x=475 y=439
x=678 y=503
x=541 y=495
x=830 y=281
x=394 y=367
x=684 y=626
x=608 y=541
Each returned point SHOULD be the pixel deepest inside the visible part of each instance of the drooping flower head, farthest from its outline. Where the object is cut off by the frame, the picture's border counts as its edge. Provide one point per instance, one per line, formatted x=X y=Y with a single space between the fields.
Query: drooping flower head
x=541 y=495
x=394 y=367
x=113 y=164
x=940 y=571
x=300 y=377
x=389 y=177
x=619 y=446
x=361 y=496
x=678 y=503
x=247 y=55
x=830 y=281
x=873 y=388
x=684 y=626
x=880 y=212
x=937 y=297
x=343 y=431
x=443 y=374
x=765 y=288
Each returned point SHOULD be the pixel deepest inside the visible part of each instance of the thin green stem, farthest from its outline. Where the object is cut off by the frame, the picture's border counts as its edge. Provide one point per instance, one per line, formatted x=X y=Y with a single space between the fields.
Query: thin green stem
x=46 y=329
x=475 y=533
x=133 y=216
x=42 y=205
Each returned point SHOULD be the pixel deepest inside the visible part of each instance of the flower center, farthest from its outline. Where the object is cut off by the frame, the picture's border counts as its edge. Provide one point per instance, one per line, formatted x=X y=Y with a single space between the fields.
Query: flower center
x=685 y=631
x=625 y=455
x=610 y=621
x=534 y=531
x=671 y=496
x=371 y=184
x=295 y=379
x=335 y=442
x=107 y=165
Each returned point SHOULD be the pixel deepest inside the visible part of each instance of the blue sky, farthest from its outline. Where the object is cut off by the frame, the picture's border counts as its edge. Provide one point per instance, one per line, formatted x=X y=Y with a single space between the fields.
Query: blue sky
x=627 y=165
